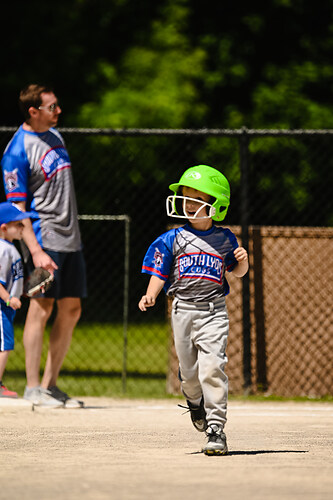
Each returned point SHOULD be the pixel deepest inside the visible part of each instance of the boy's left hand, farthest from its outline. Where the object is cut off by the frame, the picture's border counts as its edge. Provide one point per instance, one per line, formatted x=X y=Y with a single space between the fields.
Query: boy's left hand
x=241 y=254
x=14 y=303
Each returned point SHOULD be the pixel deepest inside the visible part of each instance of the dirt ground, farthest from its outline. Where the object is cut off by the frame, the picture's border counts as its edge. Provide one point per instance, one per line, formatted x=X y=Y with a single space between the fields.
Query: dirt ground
x=132 y=449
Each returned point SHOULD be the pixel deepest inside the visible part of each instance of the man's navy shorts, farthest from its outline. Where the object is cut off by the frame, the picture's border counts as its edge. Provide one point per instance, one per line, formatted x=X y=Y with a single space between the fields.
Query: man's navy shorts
x=70 y=278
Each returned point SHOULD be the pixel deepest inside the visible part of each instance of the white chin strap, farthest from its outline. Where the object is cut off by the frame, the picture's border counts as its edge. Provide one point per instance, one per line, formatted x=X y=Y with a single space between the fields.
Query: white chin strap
x=171 y=208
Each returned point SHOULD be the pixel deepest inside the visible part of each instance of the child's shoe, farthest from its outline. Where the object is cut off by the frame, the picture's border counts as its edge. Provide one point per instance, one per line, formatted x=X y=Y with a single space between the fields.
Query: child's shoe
x=217 y=441
x=198 y=415
x=6 y=393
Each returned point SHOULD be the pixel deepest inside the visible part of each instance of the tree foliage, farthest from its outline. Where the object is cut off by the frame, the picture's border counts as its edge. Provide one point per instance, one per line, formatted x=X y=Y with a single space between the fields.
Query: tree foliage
x=174 y=63
x=154 y=84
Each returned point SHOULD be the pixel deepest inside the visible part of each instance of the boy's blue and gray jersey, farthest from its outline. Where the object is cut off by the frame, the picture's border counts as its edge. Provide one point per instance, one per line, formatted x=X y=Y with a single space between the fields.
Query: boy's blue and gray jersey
x=193 y=263
x=11 y=269
x=37 y=169
x=11 y=277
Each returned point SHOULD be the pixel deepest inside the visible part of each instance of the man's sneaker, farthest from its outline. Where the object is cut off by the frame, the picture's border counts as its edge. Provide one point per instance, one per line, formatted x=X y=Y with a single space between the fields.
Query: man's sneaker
x=217 y=441
x=67 y=401
x=6 y=393
x=198 y=415
x=41 y=397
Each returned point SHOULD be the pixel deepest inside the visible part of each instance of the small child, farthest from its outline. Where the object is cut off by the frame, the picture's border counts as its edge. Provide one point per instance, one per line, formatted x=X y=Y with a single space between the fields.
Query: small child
x=189 y=262
x=11 y=281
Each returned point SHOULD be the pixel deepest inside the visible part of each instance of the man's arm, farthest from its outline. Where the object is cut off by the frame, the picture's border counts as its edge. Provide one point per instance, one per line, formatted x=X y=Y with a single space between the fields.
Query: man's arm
x=39 y=257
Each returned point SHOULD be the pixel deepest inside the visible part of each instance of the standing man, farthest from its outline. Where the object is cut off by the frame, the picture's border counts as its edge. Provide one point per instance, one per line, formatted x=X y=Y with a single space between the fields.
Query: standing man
x=37 y=177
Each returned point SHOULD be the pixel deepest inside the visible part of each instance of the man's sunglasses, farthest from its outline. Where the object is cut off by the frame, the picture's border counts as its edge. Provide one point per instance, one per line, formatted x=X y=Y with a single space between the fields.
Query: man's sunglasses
x=50 y=108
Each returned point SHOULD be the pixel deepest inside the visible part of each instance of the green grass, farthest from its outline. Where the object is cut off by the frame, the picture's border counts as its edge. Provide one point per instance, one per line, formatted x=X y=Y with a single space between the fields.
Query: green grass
x=96 y=365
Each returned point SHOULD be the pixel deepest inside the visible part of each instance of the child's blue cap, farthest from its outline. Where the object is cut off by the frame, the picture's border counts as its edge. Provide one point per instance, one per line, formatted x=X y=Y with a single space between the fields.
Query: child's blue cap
x=10 y=213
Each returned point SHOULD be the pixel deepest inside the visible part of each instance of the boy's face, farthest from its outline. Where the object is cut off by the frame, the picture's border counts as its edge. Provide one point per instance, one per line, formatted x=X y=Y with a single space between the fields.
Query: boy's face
x=192 y=207
x=13 y=230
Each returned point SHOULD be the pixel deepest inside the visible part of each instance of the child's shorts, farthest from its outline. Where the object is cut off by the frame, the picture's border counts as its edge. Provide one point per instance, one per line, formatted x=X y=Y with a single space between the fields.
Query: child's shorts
x=7 y=315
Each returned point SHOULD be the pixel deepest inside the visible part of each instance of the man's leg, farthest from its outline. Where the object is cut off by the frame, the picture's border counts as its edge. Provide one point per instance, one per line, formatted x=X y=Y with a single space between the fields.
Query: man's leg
x=68 y=314
x=38 y=313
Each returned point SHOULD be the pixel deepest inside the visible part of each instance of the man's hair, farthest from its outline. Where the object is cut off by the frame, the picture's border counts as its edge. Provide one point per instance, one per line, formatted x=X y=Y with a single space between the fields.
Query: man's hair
x=30 y=96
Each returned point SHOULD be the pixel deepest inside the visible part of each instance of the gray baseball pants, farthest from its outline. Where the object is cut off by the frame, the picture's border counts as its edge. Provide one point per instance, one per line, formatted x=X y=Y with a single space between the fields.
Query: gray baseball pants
x=201 y=334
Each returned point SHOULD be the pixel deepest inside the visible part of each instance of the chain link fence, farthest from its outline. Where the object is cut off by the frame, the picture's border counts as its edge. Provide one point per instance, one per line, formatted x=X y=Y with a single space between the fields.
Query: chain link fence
x=281 y=210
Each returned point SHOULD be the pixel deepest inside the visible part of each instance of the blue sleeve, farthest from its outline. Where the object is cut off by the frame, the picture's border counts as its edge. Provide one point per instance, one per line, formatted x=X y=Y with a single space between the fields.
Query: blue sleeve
x=159 y=257
x=16 y=171
x=230 y=259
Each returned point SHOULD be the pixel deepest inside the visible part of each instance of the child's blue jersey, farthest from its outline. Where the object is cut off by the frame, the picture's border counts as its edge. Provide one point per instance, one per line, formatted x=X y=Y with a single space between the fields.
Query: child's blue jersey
x=193 y=263
x=11 y=277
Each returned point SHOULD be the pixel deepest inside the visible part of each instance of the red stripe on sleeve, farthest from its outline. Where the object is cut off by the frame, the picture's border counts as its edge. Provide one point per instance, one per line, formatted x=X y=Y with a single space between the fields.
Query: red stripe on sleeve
x=16 y=195
x=154 y=271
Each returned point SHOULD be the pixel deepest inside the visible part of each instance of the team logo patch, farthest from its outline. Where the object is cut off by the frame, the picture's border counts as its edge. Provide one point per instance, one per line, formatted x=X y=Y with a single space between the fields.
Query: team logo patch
x=202 y=266
x=55 y=159
x=11 y=180
x=158 y=258
x=17 y=270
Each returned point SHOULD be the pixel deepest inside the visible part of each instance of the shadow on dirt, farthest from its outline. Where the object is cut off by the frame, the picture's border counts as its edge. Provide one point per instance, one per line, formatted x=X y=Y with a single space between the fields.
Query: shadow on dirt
x=262 y=452
x=253 y=452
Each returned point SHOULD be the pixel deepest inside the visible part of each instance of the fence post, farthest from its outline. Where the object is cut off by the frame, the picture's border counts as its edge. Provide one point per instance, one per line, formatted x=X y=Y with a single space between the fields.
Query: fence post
x=259 y=311
x=244 y=168
x=126 y=301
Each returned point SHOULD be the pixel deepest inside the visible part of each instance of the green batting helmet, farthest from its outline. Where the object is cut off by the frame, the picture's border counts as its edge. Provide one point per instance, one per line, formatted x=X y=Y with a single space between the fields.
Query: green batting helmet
x=210 y=181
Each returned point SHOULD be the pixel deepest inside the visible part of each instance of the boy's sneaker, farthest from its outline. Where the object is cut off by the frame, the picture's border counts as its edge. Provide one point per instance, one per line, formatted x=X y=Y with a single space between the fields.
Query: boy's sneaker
x=217 y=441
x=41 y=397
x=67 y=401
x=198 y=415
x=6 y=393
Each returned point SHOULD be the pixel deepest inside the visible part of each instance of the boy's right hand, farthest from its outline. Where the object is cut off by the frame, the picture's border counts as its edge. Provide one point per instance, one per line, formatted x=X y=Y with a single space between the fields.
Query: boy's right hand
x=146 y=301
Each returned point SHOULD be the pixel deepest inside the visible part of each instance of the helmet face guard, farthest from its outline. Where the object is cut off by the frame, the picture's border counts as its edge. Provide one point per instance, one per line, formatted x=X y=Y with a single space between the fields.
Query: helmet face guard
x=176 y=207
x=207 y=180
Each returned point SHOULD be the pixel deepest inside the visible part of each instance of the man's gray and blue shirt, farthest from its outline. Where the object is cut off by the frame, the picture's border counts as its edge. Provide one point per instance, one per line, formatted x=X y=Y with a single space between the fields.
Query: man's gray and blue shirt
x=37 y=170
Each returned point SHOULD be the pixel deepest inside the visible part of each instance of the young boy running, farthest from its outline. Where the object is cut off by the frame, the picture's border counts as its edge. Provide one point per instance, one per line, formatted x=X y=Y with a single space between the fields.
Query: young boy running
x=189 y=262
x=11 y=282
